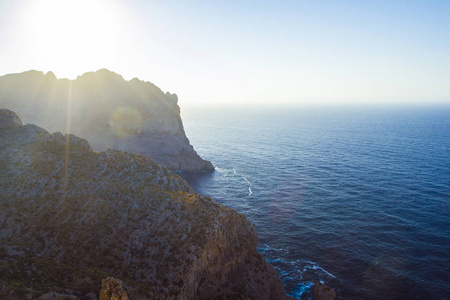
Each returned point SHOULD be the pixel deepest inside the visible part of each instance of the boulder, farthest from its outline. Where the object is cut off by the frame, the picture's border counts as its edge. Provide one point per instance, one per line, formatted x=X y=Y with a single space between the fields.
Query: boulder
x=323 y=292
x=9 y=119
x=112 y=290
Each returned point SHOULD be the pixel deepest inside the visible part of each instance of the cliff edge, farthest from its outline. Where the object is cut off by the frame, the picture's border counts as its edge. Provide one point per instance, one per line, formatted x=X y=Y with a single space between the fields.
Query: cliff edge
x=108 y=111
x=70 y=217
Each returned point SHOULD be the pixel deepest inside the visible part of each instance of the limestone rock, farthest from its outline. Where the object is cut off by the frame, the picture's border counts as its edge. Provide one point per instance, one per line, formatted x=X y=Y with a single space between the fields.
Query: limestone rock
x=9 y=119
x=57 y=296
x=112 y=290
x=73 y=216
x=133 y=116
x=90 y=296
x=323 y=292
x=26 y=134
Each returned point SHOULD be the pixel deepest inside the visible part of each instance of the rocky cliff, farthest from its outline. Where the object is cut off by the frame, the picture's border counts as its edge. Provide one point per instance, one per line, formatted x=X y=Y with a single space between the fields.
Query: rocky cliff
x=106 y=110
x=70 y=217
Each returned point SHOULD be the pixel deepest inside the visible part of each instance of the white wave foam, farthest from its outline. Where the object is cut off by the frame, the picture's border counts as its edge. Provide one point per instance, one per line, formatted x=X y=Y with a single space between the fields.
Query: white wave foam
x=249 y=186
x=266 y=247
x=301 y=289
x=246 y=180
x=314 y=266
x=220 y=170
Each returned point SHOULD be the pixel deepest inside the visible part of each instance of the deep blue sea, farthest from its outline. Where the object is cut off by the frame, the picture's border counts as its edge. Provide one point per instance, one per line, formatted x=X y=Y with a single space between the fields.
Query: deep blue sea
x=357 y=197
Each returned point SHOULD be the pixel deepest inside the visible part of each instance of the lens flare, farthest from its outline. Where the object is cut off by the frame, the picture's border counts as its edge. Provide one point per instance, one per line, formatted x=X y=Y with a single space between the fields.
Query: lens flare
x=126 y=121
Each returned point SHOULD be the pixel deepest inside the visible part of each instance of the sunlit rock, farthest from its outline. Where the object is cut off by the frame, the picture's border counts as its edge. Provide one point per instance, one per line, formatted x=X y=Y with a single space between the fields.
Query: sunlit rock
x=112 y=290
x=108 y=111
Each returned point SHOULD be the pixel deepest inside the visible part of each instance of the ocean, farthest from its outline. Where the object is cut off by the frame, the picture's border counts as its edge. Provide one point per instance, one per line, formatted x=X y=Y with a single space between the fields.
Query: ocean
x=356 y=197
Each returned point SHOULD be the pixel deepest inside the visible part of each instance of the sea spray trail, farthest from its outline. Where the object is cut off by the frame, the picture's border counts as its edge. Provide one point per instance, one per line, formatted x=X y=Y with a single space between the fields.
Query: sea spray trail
x=233 y=179
x=249 y=184
x=314 y=266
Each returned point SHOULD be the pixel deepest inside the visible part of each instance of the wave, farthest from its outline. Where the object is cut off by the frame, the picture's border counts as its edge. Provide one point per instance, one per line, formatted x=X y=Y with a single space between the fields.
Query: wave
x=314 y=266
x=220 y=170
x=246 y=180
x=264 y=247
x=300 y=289
x=249 y=186
x=298 y=275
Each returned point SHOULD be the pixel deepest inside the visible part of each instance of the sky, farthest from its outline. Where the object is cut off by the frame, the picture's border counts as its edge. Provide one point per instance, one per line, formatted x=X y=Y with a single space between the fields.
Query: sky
x=302 y=52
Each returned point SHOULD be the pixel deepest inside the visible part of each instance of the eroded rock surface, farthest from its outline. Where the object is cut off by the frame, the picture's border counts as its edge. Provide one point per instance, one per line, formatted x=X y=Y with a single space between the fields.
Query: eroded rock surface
x=112 y=289
x=9 y=119
x=323 y=292
x=57 y=296
x=109 y=112
x=70 y=217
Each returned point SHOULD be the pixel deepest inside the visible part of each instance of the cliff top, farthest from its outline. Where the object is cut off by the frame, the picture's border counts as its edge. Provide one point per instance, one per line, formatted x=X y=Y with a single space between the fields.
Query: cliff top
x=70 y=217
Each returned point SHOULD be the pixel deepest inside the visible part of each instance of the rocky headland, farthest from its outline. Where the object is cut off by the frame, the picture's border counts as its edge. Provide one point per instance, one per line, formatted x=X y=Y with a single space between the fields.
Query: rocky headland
x=110 y=112
x=70 y=217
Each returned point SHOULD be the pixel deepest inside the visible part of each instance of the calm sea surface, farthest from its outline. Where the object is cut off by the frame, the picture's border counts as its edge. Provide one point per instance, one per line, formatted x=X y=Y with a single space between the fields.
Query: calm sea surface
x=358 y=198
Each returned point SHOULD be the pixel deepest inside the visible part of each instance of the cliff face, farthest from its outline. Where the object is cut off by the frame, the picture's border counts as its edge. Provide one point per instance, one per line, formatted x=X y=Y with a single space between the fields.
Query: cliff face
x=108 y=111
x=70 y=217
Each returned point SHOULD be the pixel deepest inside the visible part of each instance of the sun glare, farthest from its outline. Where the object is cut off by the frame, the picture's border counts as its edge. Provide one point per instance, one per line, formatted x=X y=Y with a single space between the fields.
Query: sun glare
x=73 y=36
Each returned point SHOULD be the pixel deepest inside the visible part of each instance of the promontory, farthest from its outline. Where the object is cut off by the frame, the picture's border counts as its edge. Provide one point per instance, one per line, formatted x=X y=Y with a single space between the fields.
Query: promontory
x=108 y=111
x=70 y=217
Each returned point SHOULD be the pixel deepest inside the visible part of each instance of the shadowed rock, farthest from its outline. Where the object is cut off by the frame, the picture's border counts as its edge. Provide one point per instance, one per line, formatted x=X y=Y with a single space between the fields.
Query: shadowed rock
x=70 y=217
x=9 y=119
x=323 y=292
x=57 y=296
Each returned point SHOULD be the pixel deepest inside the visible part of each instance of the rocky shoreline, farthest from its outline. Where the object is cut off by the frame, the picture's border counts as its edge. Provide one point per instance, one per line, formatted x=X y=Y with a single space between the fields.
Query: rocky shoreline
x=71 y=217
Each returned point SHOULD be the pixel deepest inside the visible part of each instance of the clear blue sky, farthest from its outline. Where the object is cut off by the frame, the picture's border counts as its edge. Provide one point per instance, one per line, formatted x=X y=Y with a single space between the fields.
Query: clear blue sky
x=241 y=51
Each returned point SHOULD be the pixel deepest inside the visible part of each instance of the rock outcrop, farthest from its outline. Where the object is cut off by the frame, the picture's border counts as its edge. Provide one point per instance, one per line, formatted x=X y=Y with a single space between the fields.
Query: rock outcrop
x=323 y=292
x=9 y=120
x=70 y=217
x=112 y=289
x=109 y=112
x=57 y=296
